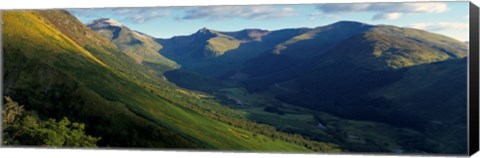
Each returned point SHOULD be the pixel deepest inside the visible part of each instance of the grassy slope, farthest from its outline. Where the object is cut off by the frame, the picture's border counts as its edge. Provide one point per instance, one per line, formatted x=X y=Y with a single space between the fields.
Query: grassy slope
x=440 y=96
x=234 y=52
x=38 y=56
x=203 y=44
x=353 y=135
x=140 y=47
x=319 y=39
x=373 y=47
x=116 y=99
x=443 y=83
x=221 y=44
x=386 y=47
x=429 y=99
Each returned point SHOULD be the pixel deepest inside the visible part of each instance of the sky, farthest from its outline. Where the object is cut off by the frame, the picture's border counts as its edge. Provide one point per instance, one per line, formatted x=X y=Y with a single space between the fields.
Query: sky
x=447 y=18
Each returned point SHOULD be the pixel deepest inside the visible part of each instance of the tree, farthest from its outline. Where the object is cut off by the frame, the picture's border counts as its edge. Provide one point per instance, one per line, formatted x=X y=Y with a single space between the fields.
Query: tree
x=21 y=127
x=11 y=111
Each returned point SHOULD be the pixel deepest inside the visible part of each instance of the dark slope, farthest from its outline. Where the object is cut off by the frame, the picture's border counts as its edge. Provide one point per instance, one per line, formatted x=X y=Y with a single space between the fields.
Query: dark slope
x=419 y=85
x=429 y=98
x=378 y=48
x=205 y=43
x=435 y=93
x=320 y=39
x=214 y=53
x=390 y=47
x=247 y=35
x=294 y=51
x=371 y=60
x=439 y=91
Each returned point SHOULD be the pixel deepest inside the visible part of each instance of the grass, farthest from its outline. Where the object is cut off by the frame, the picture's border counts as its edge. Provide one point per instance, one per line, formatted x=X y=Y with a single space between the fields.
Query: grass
x=400 y=47
x=141 y=48
x=221 y=44
x=305 y=36
x=353 y=135
x=118 y=100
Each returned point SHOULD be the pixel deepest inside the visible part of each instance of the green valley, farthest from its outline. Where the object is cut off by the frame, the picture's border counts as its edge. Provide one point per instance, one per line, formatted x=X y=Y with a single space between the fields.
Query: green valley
x=342 y=87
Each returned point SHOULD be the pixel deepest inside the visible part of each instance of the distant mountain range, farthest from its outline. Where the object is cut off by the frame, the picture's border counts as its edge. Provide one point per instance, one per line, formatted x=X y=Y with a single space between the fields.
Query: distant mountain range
x=350 y=69
x=206 y=90
x=387 y=46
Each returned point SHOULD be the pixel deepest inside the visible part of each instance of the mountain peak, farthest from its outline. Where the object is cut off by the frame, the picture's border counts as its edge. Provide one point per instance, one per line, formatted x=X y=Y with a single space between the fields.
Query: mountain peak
x=254 y=30
x=102 y=22
x=205 y=30
x=248 y=34
x=348 y=23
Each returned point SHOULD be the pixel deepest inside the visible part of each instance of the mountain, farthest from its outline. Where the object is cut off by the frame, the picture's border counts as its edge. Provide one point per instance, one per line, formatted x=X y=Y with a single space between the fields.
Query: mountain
x=320 y=38
x=247 y=35
x=214 y=53
x=379 y=74
x=140 y=47
x=386 y=74
x=369 y=60
x=354 y=67
x=205 y=43
x=58 y=67
x=376 y=47
x=393 y=47
x=429 y=98
x=296 y=50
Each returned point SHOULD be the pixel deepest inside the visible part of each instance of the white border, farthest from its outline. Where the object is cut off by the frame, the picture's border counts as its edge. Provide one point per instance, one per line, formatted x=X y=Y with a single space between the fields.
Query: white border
x=78 y=153
x=46 y=4
x=74 y=153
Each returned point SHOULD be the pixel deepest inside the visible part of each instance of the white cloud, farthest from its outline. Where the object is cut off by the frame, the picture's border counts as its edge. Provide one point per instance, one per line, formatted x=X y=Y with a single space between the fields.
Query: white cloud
x=88 y=12
x=314 y=15
x=245 y=12
x=388 y=16
x=388 y=11
x=141 y=15
x=132 y=15
x=440 y=26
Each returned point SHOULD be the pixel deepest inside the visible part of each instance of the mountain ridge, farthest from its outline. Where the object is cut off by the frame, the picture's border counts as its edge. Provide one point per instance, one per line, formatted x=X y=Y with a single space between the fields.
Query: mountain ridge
x=199 y=51
x=139 y=46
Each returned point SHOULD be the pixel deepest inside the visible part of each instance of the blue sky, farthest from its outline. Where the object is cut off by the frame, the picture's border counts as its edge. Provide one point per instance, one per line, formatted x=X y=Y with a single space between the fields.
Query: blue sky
x=448 y=18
